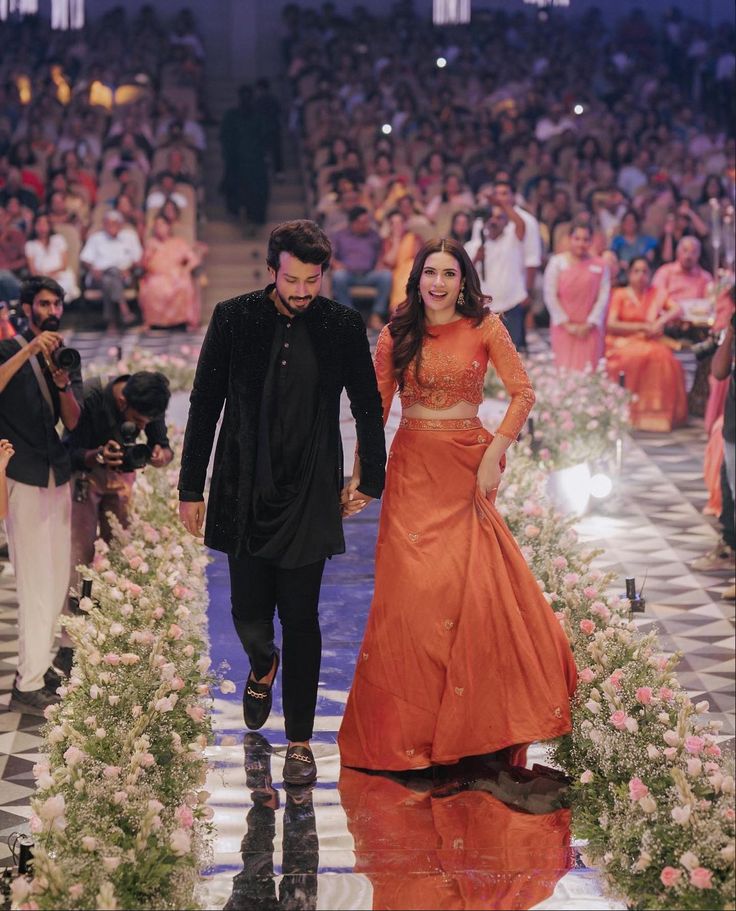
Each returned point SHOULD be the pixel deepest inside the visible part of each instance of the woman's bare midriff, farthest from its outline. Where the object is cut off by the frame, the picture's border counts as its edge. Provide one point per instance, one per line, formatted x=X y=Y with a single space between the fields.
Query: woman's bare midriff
x=461 y=411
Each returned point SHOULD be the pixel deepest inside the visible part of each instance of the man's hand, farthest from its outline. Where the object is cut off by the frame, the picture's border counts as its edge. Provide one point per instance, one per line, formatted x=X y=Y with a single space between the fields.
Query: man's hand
x=192 y=516
x=6 y=453
x=45 y=343
x=351 y=500
x=112 y=453
x=160 y=456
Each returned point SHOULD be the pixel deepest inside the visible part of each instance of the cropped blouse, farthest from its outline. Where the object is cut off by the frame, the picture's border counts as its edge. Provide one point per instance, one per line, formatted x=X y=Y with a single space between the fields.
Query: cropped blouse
x=454 y=362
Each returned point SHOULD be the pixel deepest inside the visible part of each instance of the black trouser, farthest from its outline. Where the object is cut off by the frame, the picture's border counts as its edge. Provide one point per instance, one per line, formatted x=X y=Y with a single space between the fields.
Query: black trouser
x=727 y=511
x=257 y=589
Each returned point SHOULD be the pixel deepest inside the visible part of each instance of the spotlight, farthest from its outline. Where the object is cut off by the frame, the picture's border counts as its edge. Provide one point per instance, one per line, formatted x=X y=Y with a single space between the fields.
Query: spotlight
x=441 y=63
x=578 y=109
x=600 y=486
x=386 y=129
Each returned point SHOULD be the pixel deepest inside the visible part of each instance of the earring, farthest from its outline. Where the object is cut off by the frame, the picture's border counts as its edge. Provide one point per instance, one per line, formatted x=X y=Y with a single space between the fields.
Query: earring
x=460 y=299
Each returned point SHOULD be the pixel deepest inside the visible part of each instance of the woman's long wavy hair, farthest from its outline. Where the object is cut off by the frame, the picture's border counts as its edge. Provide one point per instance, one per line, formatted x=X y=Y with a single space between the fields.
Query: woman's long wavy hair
x=409 y=325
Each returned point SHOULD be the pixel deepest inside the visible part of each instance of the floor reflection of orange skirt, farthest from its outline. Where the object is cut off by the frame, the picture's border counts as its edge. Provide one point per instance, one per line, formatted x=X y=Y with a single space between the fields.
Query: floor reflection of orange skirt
x=462 y=655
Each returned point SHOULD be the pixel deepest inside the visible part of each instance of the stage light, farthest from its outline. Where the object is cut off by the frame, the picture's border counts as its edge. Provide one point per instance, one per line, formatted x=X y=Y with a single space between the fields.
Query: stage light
x=386 y=129
x=600 y=486
x=578 y=109
x=441 y=63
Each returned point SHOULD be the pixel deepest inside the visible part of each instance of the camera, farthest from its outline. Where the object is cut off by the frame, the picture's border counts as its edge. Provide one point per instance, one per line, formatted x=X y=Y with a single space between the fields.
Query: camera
x=707 y=347
x=135 y=455
x=66 y=358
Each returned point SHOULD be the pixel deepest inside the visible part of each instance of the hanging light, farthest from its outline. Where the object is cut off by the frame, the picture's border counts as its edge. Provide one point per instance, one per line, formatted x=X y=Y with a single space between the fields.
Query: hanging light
x=67 y=14
x=450 y=12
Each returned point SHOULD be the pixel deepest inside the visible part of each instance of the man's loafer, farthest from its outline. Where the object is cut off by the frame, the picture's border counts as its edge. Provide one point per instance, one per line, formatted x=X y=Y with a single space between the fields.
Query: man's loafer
x=257 y=700
x=300 y=767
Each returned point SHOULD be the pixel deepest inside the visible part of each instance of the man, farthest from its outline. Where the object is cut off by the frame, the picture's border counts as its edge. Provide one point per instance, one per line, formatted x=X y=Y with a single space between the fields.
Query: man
x=278 y=359
x=357 y=250
x=498 y=251
x=505 y=193
x=684 y=279
x=102 y=484
x=245 y=179
x=109 y=256
x=34 y=395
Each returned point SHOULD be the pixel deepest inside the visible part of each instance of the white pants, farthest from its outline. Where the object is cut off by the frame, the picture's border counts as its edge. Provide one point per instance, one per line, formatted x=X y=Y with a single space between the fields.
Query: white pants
x=39 y=540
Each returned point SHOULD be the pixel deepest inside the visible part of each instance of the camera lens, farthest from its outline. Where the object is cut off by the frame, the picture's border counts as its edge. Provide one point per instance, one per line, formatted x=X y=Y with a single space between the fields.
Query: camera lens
x=66 y=359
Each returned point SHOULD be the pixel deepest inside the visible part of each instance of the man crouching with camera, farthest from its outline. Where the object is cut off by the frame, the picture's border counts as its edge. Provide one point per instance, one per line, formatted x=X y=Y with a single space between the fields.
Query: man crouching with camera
x=40 y=384
x=105 y=454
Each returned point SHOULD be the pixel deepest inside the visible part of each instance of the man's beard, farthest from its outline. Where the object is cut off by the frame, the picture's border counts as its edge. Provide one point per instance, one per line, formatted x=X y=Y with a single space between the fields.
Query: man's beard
x=289 y=308
x=50 y=324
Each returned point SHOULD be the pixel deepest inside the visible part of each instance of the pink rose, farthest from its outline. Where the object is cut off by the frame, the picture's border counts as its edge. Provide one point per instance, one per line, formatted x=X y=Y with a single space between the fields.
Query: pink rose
x=670 y=876
x=195 y=712
x=571 y=579
x=531 y=531
x=112 y=658
x=665 y=694
x=618 y=719
x=184 y=816
x=590 y=591
x=670 y=752
x=587 y=626
x=712 y=750
x=586 y=777
x=694 y=745
x=587 y=675
x=637 y=789
x=559 y=563
x=644 y=695
x=701 y=878
x=616 y=678
x=175 y=631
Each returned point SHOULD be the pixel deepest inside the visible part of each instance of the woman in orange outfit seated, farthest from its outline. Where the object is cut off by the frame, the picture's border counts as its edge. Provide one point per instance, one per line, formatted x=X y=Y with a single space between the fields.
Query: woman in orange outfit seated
x=462 y=655
x=635 y=347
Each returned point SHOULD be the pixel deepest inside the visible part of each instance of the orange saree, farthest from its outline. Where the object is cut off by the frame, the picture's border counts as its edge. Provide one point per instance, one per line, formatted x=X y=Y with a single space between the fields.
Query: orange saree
x=462 y=655
x=651 y=371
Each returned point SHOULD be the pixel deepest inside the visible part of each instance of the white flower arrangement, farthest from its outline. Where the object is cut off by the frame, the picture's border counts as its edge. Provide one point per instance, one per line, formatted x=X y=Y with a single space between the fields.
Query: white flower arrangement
x=179 y=368
x=651 y=791
x=120 y=816
x=578 y=415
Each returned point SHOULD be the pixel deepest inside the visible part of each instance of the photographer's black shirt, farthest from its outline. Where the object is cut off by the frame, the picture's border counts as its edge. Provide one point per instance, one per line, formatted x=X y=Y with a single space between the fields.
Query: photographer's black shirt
x=100 y=421
x=26 y=421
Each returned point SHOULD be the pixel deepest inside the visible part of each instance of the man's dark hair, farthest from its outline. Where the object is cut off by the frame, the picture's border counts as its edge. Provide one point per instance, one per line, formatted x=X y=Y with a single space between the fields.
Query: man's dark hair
x=356 y=212
x=502 y=182
x=33 y=286
x=148 y=393
x=304 y=239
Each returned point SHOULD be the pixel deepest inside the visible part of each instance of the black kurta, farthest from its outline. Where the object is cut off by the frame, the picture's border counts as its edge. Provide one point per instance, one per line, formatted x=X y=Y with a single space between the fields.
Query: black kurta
x=295 y=513
x=232 y=370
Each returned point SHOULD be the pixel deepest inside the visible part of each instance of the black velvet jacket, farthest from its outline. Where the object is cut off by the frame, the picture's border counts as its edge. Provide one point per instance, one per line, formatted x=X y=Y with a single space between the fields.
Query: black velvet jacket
x=232 y=370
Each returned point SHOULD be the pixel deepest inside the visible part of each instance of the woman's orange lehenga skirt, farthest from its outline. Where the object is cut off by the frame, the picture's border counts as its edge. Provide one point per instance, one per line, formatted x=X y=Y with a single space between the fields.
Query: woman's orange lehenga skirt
x=462 y=655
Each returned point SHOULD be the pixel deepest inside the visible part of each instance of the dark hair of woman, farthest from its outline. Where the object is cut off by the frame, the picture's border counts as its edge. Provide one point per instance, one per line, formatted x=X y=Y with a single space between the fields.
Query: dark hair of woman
x=639 y=259
x=409 y=326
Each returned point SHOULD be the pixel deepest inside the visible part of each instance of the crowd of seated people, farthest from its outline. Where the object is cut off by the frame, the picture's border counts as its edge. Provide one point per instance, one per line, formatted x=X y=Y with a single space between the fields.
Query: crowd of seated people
x=101 y=140
x=573 y=156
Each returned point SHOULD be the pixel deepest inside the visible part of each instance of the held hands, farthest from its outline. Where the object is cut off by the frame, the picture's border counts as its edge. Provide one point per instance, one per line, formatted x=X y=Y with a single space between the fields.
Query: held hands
x=6 y=454
x=192 y=516
x=351 y=501
x=580 y=330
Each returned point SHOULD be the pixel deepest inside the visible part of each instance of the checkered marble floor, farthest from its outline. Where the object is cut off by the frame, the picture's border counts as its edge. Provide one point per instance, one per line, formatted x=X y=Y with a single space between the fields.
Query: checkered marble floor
x=651 y=527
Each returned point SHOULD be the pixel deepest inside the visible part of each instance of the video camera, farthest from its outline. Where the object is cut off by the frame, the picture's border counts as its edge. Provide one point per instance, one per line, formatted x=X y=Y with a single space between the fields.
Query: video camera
x=135 y=455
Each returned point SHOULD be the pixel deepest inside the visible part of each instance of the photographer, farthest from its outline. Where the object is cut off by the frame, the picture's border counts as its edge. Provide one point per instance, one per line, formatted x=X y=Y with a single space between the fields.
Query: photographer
x=105 y=456
x=35 y=392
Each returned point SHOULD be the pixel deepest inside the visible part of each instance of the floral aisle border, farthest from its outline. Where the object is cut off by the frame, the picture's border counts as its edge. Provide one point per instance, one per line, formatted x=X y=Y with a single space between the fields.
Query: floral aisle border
x=651 y=791
x=179 y=368
x=120 y=816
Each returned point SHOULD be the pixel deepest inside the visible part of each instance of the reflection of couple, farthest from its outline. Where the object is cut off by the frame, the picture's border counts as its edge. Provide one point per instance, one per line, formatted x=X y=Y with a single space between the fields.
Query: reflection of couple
x=485 y=836
x=462 y=655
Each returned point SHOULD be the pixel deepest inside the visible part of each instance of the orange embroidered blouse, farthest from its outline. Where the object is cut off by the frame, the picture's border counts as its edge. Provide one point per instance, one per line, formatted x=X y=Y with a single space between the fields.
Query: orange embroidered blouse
x=455 y=359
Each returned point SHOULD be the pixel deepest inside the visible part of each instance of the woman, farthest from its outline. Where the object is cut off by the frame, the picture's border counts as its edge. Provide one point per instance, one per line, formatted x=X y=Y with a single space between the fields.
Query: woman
x=399 y=250
x=576 y=289
x=635 y=347
x=630 y=243
x=48 y=254
x=166 y=294
x=456 y=615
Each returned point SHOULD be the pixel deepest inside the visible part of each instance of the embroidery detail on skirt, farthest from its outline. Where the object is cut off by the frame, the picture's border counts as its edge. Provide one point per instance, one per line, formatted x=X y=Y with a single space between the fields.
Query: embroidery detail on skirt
x=558 y=712
x=413 y=536
x=448 y=624
x=459 y=690
x=365 y=656
x=458 y=844
x=437 y=424
x=410 y=753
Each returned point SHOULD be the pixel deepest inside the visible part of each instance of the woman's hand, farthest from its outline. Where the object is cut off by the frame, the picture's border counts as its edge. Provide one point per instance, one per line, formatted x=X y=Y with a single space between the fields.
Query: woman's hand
x=489 y=477
x=6 y=454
